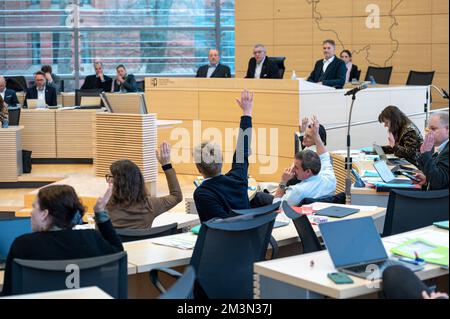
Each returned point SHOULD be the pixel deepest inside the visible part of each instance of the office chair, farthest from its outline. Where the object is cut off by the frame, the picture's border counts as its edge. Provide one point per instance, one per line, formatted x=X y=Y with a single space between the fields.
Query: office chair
x=280 y=63
x=308 y=239
x=140 y=86
x=358 y=75
x=224 y=254
x=16 y=83
x=408 y=210
x=14 y=116
x=183 y=288
x=420 y=78
x=108 y=272
x=127 y=235
x=90 y=92
x=382 y=75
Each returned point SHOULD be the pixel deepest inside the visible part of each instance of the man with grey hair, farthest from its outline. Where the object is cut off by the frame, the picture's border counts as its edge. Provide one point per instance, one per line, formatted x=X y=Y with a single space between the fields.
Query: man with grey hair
x=98 y=80
x=260 y=66
x=219 y=194
x=434 y=165
x=330 y=71
x=9 y=96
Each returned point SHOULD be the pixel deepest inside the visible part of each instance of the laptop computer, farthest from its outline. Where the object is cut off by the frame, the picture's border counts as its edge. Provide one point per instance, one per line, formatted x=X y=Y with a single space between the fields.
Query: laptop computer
x=9 y=230
x=391 y=161
x=355 y=247
x=386 y=174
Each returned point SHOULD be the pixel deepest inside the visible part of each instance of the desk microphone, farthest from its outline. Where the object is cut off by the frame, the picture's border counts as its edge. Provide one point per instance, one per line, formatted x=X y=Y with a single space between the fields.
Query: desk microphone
x=357 y=89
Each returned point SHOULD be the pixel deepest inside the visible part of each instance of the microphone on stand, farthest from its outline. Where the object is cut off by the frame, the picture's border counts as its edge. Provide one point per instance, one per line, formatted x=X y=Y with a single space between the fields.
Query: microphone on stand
x=357 y=89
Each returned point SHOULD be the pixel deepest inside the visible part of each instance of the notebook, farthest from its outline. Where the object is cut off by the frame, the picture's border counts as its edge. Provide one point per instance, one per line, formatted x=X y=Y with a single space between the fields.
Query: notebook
x=337 y=211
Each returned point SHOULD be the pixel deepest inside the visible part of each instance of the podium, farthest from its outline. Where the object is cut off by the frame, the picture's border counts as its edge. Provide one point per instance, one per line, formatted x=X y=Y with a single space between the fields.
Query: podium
x=127 y=136
x=10 y=154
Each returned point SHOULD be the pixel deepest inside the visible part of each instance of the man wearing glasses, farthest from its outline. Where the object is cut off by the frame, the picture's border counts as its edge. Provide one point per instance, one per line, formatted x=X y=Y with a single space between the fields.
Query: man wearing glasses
x=260 y=66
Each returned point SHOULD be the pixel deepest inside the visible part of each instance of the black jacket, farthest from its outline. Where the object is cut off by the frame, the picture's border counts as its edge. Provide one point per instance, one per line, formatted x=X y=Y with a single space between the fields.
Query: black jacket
x=50 y=95
x=129 y=85
x=334 y=76
x=435 y=168
x=216 y=197
x=62 y=245
x=269 y=70
x=11 y=98
x=221 y=71
x=354 y=73
x=92 y=82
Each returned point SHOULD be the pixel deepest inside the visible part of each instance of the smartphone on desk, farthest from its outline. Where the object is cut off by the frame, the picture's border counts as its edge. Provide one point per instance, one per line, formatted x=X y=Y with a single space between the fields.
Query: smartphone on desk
x=340 y=278
x=411 y=177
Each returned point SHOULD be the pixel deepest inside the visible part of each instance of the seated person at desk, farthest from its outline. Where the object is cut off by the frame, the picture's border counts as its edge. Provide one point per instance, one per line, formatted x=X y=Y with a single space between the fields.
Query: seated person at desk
x=124 y=82
x=401 y=283
x=219 y=194
x=260 y=66
x=130 y=206
x=98 y=80
x=56 y=210
x=434 y=166
x=306 y=137
x=51 y=78
x=314 y=170
x=46 y=95
x=404 y=137
x=330 y=71
x=9 y=96
x=3 y=113
x=352 y=69
x=214 y=69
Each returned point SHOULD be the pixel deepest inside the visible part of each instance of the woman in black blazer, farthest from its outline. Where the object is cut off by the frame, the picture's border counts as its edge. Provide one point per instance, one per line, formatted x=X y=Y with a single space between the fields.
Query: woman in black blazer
x=56 y=210
x=352 y=69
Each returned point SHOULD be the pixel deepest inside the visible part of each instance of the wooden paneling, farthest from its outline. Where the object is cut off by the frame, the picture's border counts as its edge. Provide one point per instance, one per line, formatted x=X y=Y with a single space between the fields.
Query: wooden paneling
x=11 y=152
x=180 y=106
x=39 y=134
x=413 y=34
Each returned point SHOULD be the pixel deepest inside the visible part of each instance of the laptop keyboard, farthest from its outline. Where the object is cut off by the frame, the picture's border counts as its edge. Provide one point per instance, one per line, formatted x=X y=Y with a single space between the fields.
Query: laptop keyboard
x=381 y=266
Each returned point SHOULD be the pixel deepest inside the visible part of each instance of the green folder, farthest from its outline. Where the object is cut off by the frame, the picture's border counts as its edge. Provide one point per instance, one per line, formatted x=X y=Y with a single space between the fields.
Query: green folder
x=431 y=253
x=196 y=229
x=443 y=224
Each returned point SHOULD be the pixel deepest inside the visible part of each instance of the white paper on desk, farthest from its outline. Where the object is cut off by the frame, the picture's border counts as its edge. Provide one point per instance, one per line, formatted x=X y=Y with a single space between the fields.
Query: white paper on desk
x=319 y=206
x=181 y=241
x=430 y=236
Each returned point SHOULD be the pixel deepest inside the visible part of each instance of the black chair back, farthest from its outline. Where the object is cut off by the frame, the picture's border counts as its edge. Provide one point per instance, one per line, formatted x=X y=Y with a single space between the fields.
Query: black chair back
x=309 y=240
x=109 y=273
x=357 y=75
x=420 y=78
x=225 y=252
x=14 y=116
x=382 y=75
x=335 y=199
x=127 y=235
x=16 y=83
x=279 y=61
x=183 y=288
x=89 y=92
x=409 y=210
x=140 y=86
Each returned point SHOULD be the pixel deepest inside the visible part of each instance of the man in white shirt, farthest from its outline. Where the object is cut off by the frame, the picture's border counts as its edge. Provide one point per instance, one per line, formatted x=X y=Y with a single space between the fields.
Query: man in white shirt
x=261 y=66
x=45 y=95
x=8 y=96
x=313 y=169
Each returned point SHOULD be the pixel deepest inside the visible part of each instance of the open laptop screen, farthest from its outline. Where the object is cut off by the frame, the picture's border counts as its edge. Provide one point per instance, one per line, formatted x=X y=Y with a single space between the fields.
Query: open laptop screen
x=10 y=230
x=353 y=242
x=385 y=173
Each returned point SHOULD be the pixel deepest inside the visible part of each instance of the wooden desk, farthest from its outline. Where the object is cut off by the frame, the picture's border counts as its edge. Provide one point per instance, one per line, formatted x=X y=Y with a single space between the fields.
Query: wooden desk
x=293 y=277
x=10 y=153
x=81 y=293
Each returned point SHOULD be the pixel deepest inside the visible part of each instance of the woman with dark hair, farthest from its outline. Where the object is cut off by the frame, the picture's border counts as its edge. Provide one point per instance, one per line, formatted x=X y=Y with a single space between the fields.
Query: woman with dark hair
x=3 y=113
x=404 y=137
x=352 y=69
x=130 y=205
x=56 y=211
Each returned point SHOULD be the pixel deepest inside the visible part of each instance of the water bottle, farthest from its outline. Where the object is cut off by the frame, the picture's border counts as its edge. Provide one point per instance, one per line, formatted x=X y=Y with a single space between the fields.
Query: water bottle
x=294 y=76
x=372 y=80
x=5 y=123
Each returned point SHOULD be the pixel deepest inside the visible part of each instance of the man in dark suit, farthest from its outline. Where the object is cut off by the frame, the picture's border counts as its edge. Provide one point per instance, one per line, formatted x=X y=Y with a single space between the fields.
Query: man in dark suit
x=260 y=66
x=214 y=69
x=124 y=82
x=97 y=81
x=219 y=194
x=331 y=71
x=435 y=167
x=40 y=91
x=9 y=96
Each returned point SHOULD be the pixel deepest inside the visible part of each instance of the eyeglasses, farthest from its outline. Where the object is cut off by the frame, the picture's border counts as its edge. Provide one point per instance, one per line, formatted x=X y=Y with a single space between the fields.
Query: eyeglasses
x=109 y=177
x=257 y=52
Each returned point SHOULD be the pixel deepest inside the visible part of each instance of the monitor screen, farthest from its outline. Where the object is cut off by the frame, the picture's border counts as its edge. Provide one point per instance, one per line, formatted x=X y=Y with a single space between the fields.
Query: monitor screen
x=10 y=230
x=353 y=242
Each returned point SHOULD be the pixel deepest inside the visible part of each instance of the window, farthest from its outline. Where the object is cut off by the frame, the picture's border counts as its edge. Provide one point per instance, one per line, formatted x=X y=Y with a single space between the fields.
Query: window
x=152 y=38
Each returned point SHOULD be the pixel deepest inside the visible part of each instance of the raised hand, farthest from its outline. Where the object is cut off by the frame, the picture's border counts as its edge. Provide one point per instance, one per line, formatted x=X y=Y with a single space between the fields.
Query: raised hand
x=103 y=200
x=428 y=143
x=246 y=102
x=304 y=125
x=163 y=155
